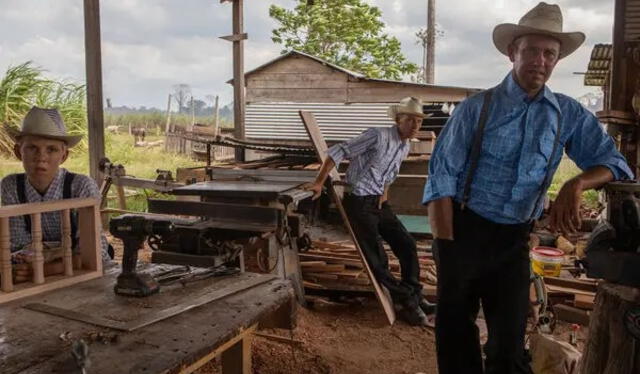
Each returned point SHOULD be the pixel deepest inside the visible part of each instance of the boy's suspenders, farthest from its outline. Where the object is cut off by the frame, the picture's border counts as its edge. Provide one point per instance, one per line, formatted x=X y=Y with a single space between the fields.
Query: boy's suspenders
x=21 y=189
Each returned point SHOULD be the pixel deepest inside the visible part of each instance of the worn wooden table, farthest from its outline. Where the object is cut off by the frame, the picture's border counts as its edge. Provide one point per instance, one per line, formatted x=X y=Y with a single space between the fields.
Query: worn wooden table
x=36 y=342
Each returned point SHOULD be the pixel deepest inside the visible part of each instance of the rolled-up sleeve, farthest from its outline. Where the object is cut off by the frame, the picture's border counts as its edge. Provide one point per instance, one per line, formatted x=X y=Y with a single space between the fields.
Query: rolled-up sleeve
x=591 y=146
x=354 y=146
x=450 y=154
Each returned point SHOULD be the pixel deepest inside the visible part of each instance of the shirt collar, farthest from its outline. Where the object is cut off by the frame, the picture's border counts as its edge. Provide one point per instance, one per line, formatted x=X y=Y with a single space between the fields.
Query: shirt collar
x=513 y=91
x=395 y=134
x=52 y=190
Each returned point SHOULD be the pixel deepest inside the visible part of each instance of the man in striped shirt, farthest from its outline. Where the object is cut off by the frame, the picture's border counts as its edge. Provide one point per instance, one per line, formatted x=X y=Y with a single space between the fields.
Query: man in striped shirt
x=374 y=162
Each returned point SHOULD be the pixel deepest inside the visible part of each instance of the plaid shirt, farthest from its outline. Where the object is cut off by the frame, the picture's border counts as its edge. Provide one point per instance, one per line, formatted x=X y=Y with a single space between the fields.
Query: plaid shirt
x=517 y=143
x=82 y=186
x=375 y=157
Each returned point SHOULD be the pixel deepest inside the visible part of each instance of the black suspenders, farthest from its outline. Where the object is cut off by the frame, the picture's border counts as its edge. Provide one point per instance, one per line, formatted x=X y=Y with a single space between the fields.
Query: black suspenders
x=474 y=154
x=21 y=189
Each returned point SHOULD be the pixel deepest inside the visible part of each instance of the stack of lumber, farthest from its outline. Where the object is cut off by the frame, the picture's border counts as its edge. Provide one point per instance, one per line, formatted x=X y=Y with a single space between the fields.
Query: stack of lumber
x=337 y=266
x=572 y=299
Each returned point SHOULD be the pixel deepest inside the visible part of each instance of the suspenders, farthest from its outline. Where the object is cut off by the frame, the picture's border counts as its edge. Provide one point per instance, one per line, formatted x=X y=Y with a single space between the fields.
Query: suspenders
x=474 y=154
x=21 y=188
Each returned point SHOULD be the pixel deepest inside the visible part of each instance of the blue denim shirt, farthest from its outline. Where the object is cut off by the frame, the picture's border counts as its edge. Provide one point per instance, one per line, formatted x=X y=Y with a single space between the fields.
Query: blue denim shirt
x=518 y=141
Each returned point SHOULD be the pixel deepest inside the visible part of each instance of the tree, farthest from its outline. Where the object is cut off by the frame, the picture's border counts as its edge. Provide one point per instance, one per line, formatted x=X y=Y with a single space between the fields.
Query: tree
x=348 y=33
x=181 y=93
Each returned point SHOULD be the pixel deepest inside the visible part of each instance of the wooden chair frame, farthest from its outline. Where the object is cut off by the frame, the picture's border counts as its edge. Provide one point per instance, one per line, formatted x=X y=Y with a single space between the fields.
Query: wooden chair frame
x=89 y=245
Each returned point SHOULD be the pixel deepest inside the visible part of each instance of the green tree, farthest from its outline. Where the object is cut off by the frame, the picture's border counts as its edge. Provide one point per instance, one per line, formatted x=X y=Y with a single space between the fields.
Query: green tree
x=348 y=33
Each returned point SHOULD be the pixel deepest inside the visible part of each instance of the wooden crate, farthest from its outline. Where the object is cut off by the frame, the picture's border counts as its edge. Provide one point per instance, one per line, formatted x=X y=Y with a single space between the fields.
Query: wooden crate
x=89 y=245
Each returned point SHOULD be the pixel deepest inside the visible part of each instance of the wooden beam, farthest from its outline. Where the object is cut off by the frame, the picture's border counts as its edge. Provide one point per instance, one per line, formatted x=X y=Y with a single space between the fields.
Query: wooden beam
x=238 y=76
x=618 y=100
x=93 y=65
x=235 y=38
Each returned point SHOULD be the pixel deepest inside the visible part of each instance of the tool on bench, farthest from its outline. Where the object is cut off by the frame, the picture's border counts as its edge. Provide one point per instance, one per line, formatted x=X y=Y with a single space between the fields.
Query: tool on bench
x=613 y=250
x=133 y=231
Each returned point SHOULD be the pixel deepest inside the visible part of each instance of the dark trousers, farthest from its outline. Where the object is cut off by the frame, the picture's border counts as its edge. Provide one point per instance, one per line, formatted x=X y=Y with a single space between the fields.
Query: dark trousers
x=371 y=225
x=487 y=263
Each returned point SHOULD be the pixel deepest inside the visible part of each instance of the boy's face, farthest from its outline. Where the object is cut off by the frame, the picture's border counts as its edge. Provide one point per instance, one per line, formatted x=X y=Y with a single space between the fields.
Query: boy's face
x=41 y=157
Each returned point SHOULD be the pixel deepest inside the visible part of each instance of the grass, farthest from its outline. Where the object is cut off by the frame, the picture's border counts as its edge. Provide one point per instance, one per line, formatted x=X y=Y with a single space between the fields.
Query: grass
x=138 y=161
x=143 y=162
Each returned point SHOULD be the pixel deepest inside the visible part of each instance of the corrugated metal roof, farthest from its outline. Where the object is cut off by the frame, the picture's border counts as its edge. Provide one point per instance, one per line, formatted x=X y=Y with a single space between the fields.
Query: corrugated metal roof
x=599 y=65
x=337 y=122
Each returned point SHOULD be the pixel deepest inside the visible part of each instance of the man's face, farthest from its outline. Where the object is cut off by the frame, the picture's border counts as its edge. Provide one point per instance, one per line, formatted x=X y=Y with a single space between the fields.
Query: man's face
x=408 y=125
x=41 y=157
x=534 y=57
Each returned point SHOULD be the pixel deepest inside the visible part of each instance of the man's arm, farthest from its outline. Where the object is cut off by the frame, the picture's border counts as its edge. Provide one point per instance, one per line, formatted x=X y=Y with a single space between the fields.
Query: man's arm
x=316 y=186
x=565 y=213
x=447 y=163
x=594 y=151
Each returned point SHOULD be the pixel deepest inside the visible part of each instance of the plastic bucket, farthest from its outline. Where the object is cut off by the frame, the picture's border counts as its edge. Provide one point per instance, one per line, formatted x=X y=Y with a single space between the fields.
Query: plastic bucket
x=547 y=261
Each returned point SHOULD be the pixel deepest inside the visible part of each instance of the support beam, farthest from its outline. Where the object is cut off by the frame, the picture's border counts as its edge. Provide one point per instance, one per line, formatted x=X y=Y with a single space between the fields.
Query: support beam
x=617 y=92
x=238 y=76
x=93 y=62
x=431 y=43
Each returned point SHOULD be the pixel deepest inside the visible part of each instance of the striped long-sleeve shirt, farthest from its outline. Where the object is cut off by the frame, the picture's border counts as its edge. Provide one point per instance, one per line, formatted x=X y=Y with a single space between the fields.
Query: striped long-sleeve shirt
x=375 y=157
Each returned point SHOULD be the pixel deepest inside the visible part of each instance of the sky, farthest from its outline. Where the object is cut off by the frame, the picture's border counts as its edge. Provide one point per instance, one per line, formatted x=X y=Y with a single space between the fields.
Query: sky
x=148 y=46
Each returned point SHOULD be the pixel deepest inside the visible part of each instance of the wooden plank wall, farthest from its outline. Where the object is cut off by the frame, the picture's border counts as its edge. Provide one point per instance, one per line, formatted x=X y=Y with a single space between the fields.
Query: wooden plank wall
x=304 y=80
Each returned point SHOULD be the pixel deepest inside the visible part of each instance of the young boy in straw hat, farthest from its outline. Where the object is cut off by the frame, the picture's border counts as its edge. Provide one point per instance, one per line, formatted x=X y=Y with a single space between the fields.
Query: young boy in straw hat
x=43 y=145
x=488 y=175
x=375 y=157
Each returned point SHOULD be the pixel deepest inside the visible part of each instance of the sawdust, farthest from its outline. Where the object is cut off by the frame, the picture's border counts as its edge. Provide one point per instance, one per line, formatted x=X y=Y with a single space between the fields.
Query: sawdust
x=345 y=339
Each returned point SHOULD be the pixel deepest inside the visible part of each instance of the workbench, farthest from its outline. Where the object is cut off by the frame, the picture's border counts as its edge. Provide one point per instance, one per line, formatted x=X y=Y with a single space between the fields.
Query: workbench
x=36 y=342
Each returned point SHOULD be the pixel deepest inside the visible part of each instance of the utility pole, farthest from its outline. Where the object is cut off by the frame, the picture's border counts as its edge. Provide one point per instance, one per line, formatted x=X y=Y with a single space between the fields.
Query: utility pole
x=430 y=55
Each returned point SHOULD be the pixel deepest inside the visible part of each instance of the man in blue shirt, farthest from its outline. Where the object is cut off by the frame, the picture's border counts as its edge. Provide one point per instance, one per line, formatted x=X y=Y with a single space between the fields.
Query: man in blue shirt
x=374 y=162
x=490 y=169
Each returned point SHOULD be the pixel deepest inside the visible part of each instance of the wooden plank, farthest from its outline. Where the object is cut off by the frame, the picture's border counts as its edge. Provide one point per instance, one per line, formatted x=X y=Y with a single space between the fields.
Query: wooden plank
x=238 y=77
x=572 y=315
x=46 y=206
x=90 y=242
x=93 y=66
x=161 y=315
x=584 y=302
x=29 y=289
x=582 y=285
x=298 y=81
x=301 y=95
x=6 y=276
x=296 y=64
x=235 y=38
x=320 y=146
x=372 y=92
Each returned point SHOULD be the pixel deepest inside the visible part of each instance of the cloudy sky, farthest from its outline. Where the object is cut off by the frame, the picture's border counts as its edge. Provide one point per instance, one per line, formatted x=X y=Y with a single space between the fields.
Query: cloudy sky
x=150 y=45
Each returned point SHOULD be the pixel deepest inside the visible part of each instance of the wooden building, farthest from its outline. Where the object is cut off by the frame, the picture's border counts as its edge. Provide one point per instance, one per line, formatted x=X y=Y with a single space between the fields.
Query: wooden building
x=344 y=102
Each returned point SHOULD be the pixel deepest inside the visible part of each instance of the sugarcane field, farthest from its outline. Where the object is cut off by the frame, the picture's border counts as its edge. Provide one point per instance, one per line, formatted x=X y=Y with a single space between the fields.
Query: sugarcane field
x=320 y=187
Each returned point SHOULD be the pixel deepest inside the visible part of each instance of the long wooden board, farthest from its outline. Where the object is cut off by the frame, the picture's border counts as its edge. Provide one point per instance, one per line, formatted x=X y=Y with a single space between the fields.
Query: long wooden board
x=320 y=146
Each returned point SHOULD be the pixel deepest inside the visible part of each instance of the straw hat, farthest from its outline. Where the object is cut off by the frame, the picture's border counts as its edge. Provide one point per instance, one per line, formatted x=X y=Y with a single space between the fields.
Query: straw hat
x=408 y=105
x=46 y=123
x=543 y=19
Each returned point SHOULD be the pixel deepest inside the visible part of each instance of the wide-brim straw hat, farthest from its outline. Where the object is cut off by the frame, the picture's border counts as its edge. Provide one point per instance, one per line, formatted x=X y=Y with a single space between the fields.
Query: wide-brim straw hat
x=408 y=105
x=543 y=19
x=46 y=123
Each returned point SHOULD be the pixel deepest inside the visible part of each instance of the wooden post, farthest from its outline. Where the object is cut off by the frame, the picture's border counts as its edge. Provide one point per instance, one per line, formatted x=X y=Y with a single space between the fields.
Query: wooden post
x=6 y=281
x=216 y=124
x=611 y=348
x=429 y=67
x=238 y=76
x=193 y=114
x=93 y=65
x=88 y=222
x=36 y=247
x=166 y=126
x=67 y=257
x=237 y=358
x=618 y=100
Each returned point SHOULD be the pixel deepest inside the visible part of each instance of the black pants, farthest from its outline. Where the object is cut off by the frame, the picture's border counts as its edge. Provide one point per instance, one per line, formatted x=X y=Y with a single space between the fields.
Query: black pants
x=371 y=225
x=489 y=263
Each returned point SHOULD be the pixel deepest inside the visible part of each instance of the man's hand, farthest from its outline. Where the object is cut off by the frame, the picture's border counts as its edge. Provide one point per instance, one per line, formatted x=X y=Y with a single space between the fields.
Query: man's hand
x=441 y=218
x=565 y=212
x=384 y=197
x=315 y=187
